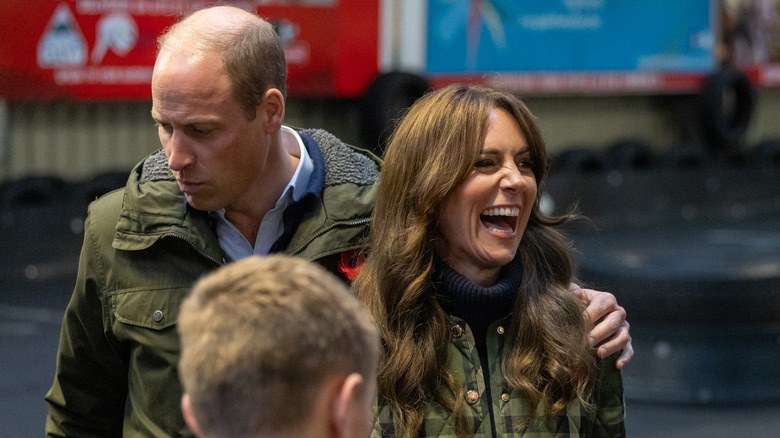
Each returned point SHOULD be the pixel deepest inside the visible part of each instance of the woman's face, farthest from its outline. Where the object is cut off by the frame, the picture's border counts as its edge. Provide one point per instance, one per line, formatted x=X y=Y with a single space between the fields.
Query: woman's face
x=482 y=221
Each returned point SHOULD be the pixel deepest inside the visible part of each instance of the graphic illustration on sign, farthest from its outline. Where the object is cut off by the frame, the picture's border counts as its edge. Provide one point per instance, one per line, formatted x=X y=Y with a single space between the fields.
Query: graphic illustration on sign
x=295 y=51
x=117 y=32
x=566 y=36
x=62 y=44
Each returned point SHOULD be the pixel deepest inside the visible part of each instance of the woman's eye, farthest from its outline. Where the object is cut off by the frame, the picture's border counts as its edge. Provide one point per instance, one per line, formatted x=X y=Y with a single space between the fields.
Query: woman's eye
x=483 y=163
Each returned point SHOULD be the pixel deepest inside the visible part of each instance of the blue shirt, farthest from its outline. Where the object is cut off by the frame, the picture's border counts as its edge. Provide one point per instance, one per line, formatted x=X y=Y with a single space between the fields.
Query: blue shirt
x=235 y=245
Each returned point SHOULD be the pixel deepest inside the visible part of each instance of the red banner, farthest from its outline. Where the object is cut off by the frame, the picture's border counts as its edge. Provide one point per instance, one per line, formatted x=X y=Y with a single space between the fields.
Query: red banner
x=105 y=49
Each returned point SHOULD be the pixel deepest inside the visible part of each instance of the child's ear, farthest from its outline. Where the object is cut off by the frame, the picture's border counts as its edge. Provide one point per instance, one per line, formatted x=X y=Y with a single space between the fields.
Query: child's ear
x=346 y=406
x=189 y=417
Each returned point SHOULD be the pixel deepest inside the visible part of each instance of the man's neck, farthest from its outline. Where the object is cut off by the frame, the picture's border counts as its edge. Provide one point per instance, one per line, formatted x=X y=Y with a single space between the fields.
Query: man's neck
x=281 y=165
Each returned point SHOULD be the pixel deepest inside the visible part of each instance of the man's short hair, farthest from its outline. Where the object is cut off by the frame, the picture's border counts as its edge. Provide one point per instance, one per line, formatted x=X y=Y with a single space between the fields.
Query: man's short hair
x=252 y=53
x=259 y=335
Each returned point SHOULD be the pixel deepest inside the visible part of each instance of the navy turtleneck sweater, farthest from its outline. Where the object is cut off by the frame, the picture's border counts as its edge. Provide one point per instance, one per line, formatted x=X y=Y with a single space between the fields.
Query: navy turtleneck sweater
x=478 y=306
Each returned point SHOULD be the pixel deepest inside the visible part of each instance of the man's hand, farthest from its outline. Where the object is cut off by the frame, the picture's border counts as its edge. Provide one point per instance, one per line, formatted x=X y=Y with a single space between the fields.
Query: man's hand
x=602 y=308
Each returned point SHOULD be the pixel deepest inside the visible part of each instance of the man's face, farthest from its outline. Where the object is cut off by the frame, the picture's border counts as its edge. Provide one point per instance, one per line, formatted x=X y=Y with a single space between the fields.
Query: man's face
x=215 y=153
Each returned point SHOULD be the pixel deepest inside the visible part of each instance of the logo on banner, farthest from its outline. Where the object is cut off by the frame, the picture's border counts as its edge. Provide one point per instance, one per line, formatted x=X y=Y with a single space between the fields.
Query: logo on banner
x=295 y=51
x=116 y=32
x=64 y=49
x=63 y=44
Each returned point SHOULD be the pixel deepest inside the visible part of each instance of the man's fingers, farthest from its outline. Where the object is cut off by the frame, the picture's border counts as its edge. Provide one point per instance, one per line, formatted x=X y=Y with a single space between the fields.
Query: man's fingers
x=628 y=353
x=599 y=304
x=620 y=341
x=611 y=324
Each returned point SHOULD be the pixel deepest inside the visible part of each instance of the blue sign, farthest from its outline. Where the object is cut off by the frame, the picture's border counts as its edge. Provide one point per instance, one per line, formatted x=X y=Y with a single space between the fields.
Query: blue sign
x=473 y=36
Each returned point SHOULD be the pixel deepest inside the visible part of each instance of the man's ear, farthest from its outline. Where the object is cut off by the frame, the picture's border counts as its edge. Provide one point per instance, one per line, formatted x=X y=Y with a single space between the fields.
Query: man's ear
x=271 y=110
x=189 y=417
x=345 y=405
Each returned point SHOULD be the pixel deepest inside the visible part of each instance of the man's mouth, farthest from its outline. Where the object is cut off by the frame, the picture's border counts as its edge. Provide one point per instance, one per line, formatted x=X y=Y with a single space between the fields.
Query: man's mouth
x=188 y=186
x=500 y=219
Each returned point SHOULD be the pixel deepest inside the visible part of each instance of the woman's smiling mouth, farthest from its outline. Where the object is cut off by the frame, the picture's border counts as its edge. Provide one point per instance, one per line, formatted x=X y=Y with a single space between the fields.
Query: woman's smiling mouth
x=501 y=220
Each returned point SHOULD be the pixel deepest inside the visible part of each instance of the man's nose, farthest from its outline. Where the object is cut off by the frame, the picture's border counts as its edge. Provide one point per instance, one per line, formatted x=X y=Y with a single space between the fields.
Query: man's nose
x=179 y=153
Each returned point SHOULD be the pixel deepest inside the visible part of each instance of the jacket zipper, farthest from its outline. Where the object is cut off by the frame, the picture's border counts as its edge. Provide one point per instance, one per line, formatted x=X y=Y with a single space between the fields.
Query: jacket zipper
x=300 y=247
x=192 y=244
x=325 y=230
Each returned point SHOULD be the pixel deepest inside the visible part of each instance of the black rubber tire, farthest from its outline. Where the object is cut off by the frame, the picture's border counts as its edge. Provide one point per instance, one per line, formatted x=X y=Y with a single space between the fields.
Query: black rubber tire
x=728 y=99
x=630 y=155
x=387 y=98
x=577 y=160
x=684 y=156
x=33 y=190
x=766 y=154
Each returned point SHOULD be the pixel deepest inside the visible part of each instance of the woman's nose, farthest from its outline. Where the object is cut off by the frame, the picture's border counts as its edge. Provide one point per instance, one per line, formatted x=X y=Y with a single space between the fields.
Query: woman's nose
x=512 y=179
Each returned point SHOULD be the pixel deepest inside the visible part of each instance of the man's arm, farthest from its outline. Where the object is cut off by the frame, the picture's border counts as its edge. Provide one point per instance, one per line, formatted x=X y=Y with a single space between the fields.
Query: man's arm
x=610 y=324
x=87 y=398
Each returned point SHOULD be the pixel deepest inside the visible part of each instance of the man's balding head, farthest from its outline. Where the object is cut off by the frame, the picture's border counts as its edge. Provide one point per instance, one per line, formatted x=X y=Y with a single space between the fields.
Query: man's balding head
x=252 y=55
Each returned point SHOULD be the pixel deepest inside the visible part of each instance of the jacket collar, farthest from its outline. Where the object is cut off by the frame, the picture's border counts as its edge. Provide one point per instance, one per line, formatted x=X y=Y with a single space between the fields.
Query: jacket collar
x=154 y=208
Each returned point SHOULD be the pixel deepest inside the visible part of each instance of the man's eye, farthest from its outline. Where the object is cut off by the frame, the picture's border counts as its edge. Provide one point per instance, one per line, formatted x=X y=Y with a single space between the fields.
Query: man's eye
x=201 y=132
x=164 y=126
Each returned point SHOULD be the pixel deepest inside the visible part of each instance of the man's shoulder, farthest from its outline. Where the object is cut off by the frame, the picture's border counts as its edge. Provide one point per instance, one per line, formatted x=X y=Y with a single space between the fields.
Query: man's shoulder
x=107 y=203
x=344 y=163
x=154 y=168
x=151 y=189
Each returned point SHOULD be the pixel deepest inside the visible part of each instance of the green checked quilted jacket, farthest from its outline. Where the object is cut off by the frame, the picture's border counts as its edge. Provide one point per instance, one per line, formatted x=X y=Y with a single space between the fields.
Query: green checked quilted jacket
x=605 y=420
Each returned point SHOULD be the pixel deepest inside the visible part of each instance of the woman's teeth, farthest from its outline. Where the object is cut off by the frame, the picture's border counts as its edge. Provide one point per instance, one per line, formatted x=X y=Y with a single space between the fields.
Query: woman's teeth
x=500 y=219
x=513 y=211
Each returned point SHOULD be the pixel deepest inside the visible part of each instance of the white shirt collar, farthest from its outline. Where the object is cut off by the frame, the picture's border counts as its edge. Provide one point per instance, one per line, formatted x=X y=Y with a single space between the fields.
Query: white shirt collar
x=234 y=244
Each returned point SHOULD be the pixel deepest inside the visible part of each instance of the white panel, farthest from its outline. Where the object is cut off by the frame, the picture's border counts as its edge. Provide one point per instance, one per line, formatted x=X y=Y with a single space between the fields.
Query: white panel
x=386 y=34
x=402 y=35
x=414 y=20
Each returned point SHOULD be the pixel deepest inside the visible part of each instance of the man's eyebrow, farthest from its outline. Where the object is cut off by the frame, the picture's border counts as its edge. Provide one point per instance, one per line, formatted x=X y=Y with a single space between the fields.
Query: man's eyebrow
x=194 y=121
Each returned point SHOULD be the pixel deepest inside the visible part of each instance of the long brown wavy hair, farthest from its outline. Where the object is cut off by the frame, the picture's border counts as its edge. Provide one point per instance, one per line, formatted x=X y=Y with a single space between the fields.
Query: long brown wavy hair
x=432 y=151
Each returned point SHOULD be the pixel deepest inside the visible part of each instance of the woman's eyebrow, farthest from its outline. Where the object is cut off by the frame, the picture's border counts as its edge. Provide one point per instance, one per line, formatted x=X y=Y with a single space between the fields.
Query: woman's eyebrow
x=488 y=151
